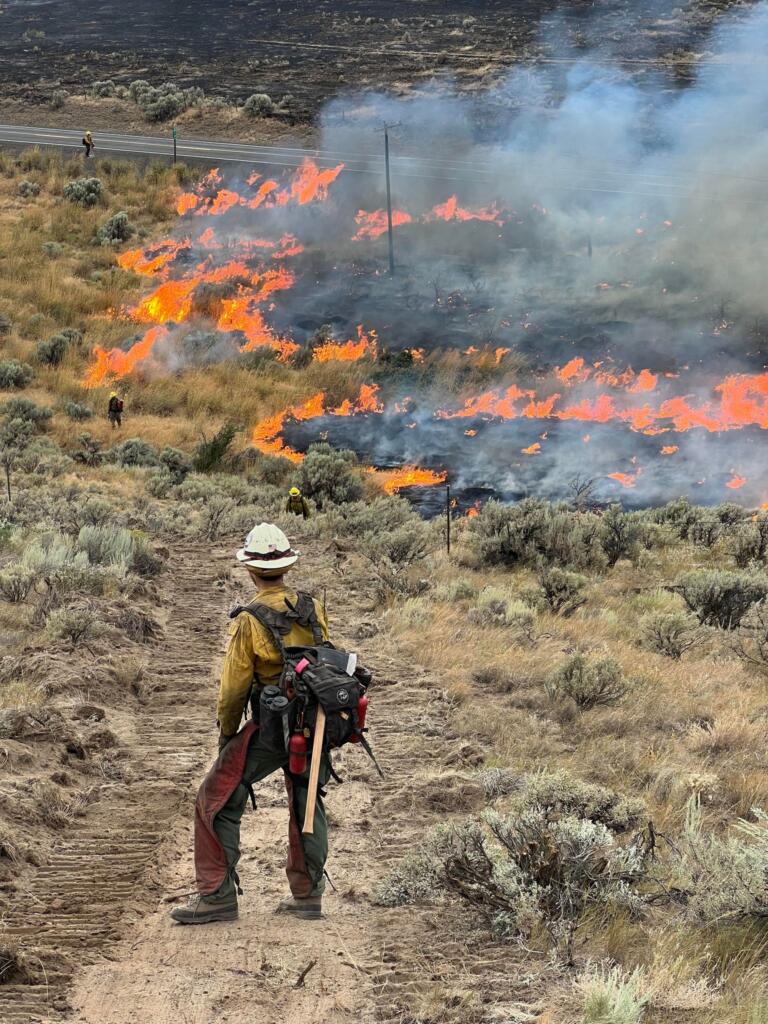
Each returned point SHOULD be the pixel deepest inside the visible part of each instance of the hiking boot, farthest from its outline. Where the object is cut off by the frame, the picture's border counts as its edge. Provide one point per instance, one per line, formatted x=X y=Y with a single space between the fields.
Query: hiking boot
x=204 y=910
x=308 y=908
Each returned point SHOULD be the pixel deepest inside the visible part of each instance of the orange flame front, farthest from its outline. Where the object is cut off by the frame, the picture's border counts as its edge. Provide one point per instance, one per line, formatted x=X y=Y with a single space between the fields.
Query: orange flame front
x=349 y=351
x=394 y=480
x=113 y=363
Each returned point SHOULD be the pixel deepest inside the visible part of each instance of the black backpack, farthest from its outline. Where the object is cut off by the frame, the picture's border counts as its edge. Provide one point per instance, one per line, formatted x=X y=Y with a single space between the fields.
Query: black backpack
x=312 y=677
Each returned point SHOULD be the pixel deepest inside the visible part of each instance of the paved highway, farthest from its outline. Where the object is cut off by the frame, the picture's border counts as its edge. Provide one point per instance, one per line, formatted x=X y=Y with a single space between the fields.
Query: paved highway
x=622 y=180
x=235 y=152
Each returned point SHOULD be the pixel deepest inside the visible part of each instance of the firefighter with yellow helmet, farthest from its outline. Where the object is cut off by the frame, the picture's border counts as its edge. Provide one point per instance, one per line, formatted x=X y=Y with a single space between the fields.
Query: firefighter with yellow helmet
x=297 y=503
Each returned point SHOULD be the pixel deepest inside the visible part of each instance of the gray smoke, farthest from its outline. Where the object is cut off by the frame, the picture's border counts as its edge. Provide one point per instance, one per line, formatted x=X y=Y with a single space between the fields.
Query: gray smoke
x=630 y=233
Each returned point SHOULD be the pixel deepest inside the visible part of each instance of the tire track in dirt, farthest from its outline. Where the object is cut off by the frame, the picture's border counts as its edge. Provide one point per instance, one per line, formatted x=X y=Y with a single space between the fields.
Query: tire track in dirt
x=75 y=907
x=367 y=959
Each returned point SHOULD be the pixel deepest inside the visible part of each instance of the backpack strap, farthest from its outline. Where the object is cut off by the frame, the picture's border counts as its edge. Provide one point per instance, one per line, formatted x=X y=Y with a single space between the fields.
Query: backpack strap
x=306 y=615
x=279 y=623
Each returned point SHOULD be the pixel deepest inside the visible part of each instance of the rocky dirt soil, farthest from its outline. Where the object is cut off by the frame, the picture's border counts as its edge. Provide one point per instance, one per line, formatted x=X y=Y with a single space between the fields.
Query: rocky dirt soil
x=92 y=924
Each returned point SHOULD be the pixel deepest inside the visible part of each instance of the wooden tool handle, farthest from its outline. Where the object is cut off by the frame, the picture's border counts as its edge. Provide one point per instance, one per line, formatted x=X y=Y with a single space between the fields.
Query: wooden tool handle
x=314 y=773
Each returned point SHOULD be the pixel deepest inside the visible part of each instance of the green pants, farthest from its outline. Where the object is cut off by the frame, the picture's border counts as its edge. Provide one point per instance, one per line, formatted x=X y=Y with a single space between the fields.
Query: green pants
x=307 y=854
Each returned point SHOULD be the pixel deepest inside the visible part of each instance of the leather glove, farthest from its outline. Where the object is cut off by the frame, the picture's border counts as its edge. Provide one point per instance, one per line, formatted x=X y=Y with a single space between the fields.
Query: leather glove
x=223 y=741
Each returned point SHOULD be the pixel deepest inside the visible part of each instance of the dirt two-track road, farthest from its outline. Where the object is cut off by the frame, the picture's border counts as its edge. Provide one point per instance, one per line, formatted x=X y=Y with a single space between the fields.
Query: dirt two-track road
x=95 y=918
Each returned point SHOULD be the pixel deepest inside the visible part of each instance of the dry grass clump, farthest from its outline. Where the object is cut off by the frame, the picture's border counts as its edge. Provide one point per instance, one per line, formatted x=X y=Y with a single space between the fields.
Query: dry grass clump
x=15 y=964
x=57 y=807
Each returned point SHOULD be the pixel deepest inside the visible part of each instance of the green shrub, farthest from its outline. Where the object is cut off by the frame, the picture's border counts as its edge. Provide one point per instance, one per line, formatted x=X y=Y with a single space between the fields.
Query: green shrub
x=144 y=560
x=460 y=589
x=535 y=531
x=524 y=872
x=330 y=476
x=58 y=98
x=751 y=643
x=103 y=90
x=27 y=410
x=115 y=230
x=43 y=457
x=75 y=626
x=749 y=542
x=721 y=598
x=16 y=581
x=613 y=996
x=52 y=351
x=358 y=518
x=259 y=105
x=705 y=531
x=106 y=545
x=53 y=250
x=77 y=412
x=52 y=551
x=88 y=451
x=679 y=514
x=394 y=554
x=177 y=464
x=588 y=684
x=725 y=879
x=14 y=374
x=165 y=101
x=671 y=633
x=560 y=794
x=133 y=452
x=272 y=469
x=413 y=880
x=618 y=534
x=159 y=483
x=126 y=550
x=562 y=589
x=28 y=189
x=729 y=513
x=83 y=191
x=211 y=455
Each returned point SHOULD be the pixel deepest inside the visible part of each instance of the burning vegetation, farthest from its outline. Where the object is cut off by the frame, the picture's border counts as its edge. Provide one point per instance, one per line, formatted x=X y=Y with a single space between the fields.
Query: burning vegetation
x=553 y=304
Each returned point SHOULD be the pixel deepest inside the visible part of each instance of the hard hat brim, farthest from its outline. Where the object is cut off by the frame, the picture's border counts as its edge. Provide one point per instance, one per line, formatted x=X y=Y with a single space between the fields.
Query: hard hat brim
x=260 y=563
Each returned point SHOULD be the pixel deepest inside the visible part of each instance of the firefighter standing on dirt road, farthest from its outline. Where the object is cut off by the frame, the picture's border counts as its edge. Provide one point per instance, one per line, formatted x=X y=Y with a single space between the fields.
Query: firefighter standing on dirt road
x=297 y=503
x=253 y=660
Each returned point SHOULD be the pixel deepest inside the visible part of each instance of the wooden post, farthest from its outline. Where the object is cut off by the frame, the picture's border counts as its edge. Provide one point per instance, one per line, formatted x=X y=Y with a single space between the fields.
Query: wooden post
x=174 y=145
x=448 y=517
x=314 y=773
x=390 y=227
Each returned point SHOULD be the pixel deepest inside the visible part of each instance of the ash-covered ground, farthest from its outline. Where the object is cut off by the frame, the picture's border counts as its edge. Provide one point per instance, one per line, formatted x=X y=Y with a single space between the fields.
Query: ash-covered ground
x=233 y=49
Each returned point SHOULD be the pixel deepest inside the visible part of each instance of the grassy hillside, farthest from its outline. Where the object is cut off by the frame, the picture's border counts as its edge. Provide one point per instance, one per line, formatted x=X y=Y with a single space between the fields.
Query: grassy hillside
x=603 y=672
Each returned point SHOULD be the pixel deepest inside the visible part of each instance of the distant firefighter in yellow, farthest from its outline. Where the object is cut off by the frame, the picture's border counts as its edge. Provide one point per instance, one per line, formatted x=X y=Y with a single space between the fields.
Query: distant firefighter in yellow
x=297 y=503
x=115 y=410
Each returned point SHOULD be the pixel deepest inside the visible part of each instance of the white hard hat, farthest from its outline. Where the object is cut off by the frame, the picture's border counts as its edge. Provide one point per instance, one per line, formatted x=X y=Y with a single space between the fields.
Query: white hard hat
x=267 y=547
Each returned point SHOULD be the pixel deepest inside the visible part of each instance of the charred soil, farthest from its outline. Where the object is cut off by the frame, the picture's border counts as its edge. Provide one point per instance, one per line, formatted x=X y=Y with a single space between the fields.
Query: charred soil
x=316 y=53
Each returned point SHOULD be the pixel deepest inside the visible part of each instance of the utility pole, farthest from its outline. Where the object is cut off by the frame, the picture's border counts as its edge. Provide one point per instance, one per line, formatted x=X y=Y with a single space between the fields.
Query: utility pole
x=174 y=144
x=390 y=226
x=448 y=517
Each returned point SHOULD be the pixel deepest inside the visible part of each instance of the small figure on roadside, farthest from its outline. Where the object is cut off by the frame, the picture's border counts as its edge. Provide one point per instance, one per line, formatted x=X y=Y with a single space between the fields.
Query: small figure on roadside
x=115 y=410
x=88 y=144
x=297 y=503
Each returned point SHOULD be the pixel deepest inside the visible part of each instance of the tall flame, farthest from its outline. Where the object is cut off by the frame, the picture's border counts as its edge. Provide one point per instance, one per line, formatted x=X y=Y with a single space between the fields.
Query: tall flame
x=114 y=362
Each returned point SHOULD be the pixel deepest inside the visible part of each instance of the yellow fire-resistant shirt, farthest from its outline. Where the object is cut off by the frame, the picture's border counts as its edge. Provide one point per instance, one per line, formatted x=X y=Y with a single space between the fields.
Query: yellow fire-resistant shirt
x=252 y=657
